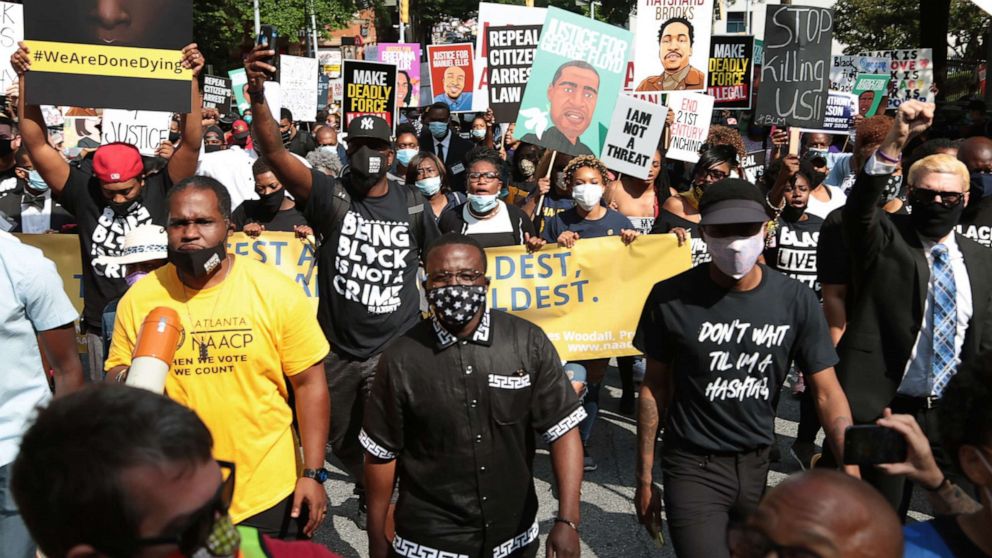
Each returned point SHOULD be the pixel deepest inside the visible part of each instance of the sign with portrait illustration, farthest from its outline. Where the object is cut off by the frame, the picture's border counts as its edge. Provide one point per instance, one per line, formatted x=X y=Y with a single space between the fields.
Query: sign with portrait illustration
x=406 y=56
x=452 y=75
x=673 y=44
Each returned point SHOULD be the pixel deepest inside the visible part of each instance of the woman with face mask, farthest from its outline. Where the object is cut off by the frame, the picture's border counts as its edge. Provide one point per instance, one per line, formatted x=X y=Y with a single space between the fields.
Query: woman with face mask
x=481 y=132
x=426 y=174
x=523 y=173
x=485 y=217
x=552 y=195
x=587 y=178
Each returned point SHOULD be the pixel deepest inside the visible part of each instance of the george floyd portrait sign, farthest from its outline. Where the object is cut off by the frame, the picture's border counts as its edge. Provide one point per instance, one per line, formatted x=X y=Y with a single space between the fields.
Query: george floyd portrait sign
x=81 y=58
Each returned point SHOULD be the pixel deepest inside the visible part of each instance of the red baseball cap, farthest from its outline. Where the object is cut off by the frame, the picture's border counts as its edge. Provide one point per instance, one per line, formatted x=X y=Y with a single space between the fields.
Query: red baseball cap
x=117 y=162
x=239 y=129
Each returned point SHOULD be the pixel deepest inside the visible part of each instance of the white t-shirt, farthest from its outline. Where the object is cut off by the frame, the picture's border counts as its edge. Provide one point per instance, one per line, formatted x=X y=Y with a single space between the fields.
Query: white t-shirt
x=823 y=208
x=232 y=167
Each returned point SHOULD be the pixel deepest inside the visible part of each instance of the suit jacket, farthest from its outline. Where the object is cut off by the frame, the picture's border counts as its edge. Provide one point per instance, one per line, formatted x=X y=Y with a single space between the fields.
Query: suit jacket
x=886 y=298
x=10 y=205
x=454 y=158
x=695 y=79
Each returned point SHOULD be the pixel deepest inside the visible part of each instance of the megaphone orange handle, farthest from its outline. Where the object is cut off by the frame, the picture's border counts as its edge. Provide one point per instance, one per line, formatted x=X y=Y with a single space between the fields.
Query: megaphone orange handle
x=159 y=335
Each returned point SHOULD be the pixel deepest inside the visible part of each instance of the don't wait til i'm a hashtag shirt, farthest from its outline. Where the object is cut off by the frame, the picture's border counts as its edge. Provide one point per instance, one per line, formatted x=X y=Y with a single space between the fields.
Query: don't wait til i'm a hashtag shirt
x=729 y=353
x=258 y=329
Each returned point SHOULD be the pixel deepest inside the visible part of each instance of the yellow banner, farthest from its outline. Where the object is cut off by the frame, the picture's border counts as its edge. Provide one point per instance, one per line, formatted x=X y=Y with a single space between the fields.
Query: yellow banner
x=587 y=299
x=106 y=60
x=290 y=255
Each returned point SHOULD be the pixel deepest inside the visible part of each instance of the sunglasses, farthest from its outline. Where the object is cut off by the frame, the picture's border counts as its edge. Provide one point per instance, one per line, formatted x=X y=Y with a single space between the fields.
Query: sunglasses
x=209 y=527
x=947 y=199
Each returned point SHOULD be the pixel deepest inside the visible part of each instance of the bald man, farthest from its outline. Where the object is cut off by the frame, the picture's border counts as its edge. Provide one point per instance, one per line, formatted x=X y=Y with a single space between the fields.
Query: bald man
x=327 y=139
x=976 y=221
x=822 y=513
x=454 y=94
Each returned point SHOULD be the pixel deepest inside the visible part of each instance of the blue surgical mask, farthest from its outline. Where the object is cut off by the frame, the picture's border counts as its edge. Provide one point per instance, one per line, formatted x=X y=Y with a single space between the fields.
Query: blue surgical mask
x=483 y=203
x=438 y=129
x=36 y=182
x=247 y=118
x=478 y=133
x=404 y=156
x=429 y=186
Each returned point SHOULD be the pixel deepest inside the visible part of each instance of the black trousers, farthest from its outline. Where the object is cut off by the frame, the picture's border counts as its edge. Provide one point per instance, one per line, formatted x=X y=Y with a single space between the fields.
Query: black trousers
x=349 y=383
x=705 y=492
x=277 y=523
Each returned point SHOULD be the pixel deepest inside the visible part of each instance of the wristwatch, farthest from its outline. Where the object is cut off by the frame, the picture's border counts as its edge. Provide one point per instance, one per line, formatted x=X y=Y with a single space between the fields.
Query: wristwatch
x=320 y=475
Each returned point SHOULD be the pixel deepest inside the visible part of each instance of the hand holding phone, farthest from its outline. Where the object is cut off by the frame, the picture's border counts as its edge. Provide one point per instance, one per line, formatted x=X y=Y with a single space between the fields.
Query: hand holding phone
x=268 y=37
x=871 y=444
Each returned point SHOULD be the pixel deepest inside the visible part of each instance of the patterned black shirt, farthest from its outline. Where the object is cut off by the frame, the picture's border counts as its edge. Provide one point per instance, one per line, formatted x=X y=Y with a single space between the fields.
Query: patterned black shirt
x=460 y=416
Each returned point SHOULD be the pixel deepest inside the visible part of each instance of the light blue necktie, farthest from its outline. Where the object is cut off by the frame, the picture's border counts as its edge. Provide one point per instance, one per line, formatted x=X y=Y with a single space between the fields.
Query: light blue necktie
x=945 y=318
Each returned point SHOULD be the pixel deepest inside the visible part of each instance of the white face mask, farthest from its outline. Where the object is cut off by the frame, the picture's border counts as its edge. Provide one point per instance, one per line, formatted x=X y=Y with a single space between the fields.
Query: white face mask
x=736 y=255
x=587 y=196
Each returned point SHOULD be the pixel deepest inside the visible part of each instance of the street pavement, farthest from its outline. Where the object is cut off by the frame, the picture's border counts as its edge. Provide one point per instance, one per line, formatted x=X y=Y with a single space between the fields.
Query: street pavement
x=608 y=528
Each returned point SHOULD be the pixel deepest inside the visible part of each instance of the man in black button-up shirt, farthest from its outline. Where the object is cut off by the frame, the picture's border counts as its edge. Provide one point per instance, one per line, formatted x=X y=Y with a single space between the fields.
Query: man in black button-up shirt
x=456 y=403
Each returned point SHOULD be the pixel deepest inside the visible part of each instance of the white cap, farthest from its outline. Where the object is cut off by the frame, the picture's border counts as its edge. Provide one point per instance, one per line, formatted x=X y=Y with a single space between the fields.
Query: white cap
x=143 y=244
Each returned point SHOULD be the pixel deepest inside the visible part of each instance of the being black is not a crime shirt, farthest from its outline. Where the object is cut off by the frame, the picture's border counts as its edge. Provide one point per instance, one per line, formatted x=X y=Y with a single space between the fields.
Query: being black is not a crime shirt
x=729 y=353
x=460 y=416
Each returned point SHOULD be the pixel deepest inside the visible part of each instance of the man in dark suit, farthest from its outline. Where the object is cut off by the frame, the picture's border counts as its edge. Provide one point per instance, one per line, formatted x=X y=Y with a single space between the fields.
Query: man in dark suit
x=921 y=295
x=451 y=148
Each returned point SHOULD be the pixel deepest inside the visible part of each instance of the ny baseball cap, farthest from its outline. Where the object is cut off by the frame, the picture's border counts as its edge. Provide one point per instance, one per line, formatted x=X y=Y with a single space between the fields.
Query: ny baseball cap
x=369 y=126
x=117 y=162
x=142 y=244
x=240 y=129
x=731 y=201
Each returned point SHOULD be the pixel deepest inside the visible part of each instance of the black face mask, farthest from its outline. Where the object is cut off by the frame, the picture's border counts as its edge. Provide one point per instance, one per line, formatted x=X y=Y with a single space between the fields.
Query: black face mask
x=5 y=148
x=212 y=148
x=199 y=263
x=270 y=203
x=792 y=214
x=174 y=137
x=367 y=168
x=124 y=208
x=981 y=185
x=933 y=220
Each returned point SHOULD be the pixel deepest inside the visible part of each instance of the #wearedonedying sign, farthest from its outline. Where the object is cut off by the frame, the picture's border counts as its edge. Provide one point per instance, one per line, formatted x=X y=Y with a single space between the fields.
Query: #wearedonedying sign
x=796 y=70
x=673 y=44
x=574 y=84
x=136 y=64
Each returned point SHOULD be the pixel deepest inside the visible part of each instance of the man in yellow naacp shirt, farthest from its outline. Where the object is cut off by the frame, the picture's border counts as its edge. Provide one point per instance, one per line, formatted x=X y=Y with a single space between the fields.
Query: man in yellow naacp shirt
x=247 y=327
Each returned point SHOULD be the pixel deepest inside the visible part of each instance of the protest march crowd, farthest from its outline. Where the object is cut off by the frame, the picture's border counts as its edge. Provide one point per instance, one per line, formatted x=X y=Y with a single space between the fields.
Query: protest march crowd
x=840 y=257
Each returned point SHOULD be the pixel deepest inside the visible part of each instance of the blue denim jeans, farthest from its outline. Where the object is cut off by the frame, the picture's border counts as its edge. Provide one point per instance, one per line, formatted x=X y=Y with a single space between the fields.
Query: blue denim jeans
x=16 y=542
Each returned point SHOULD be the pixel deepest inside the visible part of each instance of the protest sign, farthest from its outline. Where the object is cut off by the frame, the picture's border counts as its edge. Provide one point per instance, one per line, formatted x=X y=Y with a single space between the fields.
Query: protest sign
x=298 y=81
x=754 y=165
x=496 y=15
x=508 y=61
x=796 y=69
x=143 y=129
x=217 y=93
x=452 y=75
x=76 y=128
x=870 y=89
x=11 y=31
x=845 y=70
x=239 y=88
x=369 y=88
x=730 y=71
x=911 y=75
x=633 y=136
x=406 y=56
x=133 y=64
x=323 y=89
x=572 y=294
x=672 y=48
x=330 y=62
x=841 y=108
x=336 y=92
x=693 y=112
x=290 y=255
x=568 y=106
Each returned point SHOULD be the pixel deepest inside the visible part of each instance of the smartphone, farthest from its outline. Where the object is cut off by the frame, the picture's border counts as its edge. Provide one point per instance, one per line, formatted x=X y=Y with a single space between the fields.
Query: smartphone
x=872 y=444
x=268 y=36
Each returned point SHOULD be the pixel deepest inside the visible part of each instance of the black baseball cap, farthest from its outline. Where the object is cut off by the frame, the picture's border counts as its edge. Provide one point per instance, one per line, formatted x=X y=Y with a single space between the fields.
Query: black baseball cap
x=369 y=126
x=731 y=201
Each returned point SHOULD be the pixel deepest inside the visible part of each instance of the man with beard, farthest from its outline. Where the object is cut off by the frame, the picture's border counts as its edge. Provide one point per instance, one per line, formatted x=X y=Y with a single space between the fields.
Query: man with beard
x=572 y=97
x=675 y=39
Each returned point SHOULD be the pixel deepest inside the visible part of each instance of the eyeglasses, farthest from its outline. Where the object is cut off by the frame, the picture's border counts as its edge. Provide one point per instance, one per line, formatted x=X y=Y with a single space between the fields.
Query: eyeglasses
x=210 y=527
x=483 y=176
x=464 y=277
x=748 y=542
x=715 y=175
x=947 y=199
x=426 y=171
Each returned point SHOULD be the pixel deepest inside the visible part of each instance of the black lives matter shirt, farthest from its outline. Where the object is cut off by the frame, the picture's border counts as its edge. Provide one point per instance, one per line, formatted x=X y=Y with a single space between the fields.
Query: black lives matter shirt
x=729 y=353
x=102 y=231
x=366 y=269
x=976 y=223
x=793 y=250
x=667 y=221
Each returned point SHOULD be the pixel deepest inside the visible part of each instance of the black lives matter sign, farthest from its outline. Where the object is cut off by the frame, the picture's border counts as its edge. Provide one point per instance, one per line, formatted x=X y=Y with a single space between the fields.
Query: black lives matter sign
x=509 y=58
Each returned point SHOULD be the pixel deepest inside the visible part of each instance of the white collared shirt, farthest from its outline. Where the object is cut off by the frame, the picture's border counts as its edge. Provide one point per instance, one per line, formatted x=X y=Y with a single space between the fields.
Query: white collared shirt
x=37 y=221
x=445 y=143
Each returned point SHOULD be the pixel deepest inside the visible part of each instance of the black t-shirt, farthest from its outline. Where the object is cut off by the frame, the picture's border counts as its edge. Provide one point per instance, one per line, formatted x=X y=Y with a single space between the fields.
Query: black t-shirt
x=831 y=251
x=366 y=269
x=976 y=223
x=609 y=224
x=251 y=211
x=506 y=228
x=793 y=250
x=729 y=353
x=102 y=231
x=302 y=143
x=667 y=221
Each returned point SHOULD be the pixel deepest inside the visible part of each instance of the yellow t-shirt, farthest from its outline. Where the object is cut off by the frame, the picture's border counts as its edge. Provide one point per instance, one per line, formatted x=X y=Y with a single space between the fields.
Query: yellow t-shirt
x=258 y=328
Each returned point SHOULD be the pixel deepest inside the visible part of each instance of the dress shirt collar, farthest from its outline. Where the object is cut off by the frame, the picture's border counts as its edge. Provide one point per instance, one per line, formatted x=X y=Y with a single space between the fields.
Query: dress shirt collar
x=481 y=336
